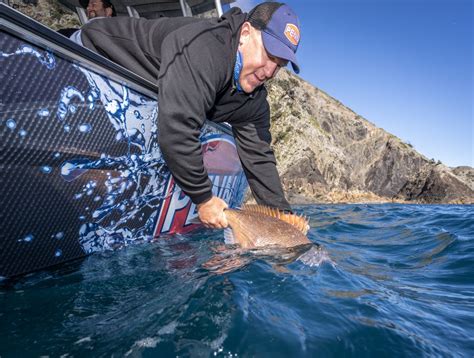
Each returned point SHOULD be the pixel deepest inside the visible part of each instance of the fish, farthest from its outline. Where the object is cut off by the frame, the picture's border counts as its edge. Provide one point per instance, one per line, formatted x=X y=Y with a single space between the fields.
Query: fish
x=255 y=226
x=261 y=232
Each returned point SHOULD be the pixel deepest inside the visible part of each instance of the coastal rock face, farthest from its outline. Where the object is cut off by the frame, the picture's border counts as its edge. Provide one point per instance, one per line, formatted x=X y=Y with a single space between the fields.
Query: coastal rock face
x=466 y=174
x=326 y=152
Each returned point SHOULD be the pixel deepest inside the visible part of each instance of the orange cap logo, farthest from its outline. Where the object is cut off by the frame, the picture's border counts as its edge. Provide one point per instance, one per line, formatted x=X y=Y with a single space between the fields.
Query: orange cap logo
x=292 y=33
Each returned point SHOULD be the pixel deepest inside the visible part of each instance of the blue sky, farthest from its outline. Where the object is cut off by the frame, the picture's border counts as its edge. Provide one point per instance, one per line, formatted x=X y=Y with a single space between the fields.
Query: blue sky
x=404 y=65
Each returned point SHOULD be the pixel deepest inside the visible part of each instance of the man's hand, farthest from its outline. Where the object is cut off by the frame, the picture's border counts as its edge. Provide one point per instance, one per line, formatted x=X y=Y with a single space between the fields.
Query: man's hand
x=211 y=213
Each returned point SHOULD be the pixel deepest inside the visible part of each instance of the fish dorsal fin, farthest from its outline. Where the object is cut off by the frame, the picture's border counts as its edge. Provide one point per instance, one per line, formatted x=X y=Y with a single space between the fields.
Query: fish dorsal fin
x=300 y=222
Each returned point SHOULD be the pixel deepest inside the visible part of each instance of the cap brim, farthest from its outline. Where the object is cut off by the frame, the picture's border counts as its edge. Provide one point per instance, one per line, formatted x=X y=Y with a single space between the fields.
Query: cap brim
x=278 y=49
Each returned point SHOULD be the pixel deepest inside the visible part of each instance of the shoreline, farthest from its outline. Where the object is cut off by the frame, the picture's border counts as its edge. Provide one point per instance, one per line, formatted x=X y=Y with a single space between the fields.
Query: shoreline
x=365 y=198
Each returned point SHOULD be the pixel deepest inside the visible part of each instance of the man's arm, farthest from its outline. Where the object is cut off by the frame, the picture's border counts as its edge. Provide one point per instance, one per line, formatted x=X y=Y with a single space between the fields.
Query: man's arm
x=258 y=161
x=192 y=70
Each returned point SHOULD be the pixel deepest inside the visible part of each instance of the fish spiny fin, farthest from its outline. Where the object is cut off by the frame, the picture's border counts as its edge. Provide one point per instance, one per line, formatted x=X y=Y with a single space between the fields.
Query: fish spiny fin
x=264 y=210
x=300 y=222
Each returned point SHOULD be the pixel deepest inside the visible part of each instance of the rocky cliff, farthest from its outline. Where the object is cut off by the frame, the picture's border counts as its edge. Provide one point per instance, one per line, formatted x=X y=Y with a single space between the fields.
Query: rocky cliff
x=49 y=12
x=325 y=151
x=466 y=174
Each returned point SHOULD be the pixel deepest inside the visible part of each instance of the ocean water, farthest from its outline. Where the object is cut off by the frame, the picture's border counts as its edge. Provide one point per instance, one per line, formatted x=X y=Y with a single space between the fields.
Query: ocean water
x=385 y=280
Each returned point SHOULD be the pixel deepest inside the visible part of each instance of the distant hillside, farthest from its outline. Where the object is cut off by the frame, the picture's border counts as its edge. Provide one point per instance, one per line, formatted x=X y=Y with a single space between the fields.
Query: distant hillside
x=327 y=152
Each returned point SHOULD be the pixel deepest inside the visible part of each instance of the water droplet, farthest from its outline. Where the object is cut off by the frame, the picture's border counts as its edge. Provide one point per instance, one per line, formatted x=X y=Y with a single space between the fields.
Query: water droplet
x=59 y=235
x=125 y=174
x=27 y=238
x=58 y=253
x=137 y=114
x=67 y=128
x=44 y=112
x=46 y=170
x=11 y=124
x=84 y=128
x=91 y=184
x=22 y=133
x=57 y=155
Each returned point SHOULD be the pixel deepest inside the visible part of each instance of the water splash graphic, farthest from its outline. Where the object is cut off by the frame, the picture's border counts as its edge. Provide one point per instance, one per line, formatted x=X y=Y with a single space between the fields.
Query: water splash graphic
x=46 y=58
x=67 y=95
x=133 y=183
x=127 y=187
x=44 y=112
x=27 y=238
x=11 y=124
x=84 y=128
x=46 y=169
x=59 y=236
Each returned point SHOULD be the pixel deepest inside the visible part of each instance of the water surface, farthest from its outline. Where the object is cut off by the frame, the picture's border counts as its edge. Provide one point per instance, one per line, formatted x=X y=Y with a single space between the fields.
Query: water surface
x=393 y=280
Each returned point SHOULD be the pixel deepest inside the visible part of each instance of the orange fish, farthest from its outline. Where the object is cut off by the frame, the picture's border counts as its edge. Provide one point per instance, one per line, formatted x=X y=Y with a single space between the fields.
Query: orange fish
x=257 y=226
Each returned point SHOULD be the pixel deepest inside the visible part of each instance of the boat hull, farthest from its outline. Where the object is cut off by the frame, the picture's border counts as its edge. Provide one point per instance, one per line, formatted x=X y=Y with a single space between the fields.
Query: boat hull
x=81 y=166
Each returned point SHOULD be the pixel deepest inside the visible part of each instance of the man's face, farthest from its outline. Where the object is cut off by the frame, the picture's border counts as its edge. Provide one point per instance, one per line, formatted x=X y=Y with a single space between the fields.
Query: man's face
x=258 y=65
x=96 y=9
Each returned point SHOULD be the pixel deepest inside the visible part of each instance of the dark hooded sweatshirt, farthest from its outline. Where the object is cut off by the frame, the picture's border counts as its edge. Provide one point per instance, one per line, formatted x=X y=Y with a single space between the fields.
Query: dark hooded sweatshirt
x=193 y=61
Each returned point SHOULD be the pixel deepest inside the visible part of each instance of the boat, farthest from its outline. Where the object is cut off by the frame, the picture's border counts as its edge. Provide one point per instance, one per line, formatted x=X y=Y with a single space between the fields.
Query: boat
x=81 y=165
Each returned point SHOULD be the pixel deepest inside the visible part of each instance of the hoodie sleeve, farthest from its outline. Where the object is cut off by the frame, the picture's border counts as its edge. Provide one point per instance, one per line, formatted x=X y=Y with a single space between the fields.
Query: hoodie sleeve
x=258 y=161
x=193 y=68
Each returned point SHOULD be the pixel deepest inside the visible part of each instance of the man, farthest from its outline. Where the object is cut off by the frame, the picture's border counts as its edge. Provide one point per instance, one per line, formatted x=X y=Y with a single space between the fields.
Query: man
x=95 y=9
x=214 y=69
x=98 y=8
